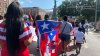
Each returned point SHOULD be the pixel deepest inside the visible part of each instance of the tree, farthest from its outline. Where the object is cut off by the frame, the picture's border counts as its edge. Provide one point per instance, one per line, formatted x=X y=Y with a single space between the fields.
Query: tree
x=84 y=8
x=67 y=8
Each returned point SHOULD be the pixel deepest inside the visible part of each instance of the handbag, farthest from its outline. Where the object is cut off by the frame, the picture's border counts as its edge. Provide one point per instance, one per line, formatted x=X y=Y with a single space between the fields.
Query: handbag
x=64 y=37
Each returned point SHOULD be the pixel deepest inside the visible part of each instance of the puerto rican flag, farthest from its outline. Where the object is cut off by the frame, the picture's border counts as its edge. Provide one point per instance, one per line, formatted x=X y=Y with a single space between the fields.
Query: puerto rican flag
x=48 y=35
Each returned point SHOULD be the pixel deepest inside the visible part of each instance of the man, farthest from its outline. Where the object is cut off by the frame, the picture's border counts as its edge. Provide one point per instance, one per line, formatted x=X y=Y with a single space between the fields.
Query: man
x=65 y=28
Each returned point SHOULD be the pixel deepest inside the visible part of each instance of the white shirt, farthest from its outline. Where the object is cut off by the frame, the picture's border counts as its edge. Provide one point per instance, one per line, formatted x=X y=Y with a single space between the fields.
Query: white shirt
x=79 y=36
x=33 y=34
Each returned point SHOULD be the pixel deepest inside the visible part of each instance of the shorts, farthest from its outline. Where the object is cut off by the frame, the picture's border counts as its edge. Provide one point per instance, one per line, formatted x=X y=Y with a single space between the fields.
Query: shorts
x=74 y=38
x=79 y=44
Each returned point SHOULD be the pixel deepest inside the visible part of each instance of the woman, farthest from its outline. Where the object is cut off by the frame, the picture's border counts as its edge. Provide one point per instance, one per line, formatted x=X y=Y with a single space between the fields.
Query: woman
x=38 y=17
x=15 y=36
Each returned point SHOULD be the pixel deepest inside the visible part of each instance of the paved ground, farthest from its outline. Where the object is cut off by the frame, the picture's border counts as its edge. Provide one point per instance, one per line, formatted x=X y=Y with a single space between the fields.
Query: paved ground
x=91 y=48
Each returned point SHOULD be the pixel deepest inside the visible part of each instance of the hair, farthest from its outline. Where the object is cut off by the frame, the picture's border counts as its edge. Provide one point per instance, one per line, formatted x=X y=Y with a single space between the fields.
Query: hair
x=76 y=24
x=14 y=25
x=46 y=17
x=83 y=22
x=38 y=17
x=65 y=18
x=79 y=29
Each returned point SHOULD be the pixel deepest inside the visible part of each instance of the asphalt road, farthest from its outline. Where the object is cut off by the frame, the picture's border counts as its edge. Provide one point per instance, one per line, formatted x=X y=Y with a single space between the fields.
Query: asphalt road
x=90 y=48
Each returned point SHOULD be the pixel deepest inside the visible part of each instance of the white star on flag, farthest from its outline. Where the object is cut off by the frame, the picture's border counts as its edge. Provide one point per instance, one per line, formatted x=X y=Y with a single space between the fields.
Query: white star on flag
x=45 y=26
x=51 y=34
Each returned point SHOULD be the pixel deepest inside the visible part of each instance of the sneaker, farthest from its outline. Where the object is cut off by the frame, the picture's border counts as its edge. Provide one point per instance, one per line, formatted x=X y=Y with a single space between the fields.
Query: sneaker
x=77 y=52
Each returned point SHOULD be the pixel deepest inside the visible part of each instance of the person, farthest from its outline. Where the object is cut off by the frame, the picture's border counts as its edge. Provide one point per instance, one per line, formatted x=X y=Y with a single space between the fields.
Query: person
x=46 y=17
x=79 y=39
x=82 y=25
x=15 y=35
x=75 y=29
x=26 y=19
x=71 y=19
x=38 y=17
x=66 y=28
x=86 y=26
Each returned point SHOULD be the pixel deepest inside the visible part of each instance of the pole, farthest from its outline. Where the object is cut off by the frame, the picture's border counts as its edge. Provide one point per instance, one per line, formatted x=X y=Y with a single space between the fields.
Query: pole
x=55 y=10
x=96 y=13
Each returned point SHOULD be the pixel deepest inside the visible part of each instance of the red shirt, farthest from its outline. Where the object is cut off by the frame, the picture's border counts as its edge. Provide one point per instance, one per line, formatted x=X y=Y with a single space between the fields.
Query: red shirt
x=22 y=37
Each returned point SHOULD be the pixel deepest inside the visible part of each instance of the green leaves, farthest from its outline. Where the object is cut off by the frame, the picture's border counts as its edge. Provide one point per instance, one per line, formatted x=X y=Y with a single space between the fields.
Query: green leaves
x=85 y=8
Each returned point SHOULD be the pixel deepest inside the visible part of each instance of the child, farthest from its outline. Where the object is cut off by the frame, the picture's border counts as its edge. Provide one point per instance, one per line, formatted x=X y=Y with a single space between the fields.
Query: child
x=80 y=37
x=75 y=29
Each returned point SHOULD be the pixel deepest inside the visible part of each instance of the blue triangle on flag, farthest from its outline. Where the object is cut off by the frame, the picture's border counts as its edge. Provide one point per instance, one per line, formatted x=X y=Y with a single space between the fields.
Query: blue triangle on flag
x=50 y=25
x=52 y=34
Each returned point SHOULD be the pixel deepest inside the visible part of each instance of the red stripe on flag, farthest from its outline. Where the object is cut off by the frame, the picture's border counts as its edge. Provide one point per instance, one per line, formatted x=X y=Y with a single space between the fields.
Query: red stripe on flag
x=26 y=37
x=43 y=44
x=2 y=25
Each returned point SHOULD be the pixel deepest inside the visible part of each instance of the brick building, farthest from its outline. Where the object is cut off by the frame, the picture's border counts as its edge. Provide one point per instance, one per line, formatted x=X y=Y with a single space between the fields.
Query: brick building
x=34 y=11
x=3 y=5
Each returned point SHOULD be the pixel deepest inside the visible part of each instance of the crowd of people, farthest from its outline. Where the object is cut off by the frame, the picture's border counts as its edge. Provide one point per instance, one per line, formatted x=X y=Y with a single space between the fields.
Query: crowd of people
x=16 y=34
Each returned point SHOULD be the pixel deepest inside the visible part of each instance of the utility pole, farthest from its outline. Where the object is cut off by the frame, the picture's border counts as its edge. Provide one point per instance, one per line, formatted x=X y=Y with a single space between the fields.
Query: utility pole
x=96 y=12
x=55 y=10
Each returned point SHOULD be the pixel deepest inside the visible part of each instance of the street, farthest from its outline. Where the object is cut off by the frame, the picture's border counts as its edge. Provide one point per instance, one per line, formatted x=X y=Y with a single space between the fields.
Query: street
x=49 y=23
x=90 y=48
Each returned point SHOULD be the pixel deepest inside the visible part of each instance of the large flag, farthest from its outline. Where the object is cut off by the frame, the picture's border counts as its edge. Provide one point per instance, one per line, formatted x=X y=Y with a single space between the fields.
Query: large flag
x=48 y=33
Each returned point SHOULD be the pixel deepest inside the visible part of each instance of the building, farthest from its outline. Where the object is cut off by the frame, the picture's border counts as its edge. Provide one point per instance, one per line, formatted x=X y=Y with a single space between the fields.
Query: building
x=3 y=6
x=50 y=14
x=34 y=11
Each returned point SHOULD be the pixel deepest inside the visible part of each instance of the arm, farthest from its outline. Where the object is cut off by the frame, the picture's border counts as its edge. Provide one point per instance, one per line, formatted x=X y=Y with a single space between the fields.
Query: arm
x=26 y=35
x=84 y=38
x=27 y=42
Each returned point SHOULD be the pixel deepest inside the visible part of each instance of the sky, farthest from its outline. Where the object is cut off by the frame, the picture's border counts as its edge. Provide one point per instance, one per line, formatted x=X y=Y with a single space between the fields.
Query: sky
x=44 y=4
